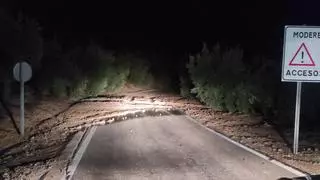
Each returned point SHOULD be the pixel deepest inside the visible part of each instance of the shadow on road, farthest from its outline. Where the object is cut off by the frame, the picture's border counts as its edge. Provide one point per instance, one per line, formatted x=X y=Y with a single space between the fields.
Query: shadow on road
x=9 y=113
x=312 y=177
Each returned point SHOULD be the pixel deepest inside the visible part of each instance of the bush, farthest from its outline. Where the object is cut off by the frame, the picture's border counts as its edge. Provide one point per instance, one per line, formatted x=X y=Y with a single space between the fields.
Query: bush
x=78 y=89
x=59 y=87
x=96 y=85
x=117 y=77
x=82 y=72
x=185 y=87
x=87 y=71
x=223 y=81
x=105 y=72
x=140 y=72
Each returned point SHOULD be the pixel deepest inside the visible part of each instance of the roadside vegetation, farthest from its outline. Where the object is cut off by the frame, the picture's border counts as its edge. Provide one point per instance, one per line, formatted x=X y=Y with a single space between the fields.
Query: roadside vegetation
x=227 y=80
x=73 y=72
x=224 y=78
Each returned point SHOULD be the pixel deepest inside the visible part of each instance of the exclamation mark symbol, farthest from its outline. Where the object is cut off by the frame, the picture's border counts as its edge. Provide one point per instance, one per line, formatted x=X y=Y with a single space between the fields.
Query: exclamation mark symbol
x=302 y=55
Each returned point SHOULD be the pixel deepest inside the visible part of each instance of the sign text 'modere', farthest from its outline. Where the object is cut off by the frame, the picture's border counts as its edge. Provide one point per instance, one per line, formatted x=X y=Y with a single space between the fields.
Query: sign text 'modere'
x=310 y=35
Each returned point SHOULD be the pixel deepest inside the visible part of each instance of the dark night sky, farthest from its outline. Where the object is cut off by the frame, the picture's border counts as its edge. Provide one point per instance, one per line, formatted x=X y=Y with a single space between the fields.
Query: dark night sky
x=173 y=27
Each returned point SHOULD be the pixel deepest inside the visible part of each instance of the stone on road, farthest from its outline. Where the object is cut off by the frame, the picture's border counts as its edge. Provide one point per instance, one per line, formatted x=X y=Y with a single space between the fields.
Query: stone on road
x=169 y=147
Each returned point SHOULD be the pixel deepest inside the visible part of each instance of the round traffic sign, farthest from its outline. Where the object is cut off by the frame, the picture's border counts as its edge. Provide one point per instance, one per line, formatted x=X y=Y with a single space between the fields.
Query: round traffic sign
x=26 y=71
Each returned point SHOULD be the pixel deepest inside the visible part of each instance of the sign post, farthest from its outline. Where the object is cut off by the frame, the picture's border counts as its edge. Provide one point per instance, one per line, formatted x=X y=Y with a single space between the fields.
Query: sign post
x=301 y=63
x=22 y=72
x=297 y=119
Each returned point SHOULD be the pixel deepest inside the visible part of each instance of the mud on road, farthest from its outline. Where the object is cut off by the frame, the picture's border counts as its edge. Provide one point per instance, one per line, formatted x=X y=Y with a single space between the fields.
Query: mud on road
x=54 y=128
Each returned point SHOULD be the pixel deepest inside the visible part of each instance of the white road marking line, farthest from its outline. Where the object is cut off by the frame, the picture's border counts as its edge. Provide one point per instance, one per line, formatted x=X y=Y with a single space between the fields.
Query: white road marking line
x=278 y=163
x=76 y=160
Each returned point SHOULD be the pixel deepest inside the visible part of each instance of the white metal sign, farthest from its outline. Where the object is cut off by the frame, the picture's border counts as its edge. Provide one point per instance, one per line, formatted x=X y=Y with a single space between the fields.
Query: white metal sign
x=301 y=63
x=26 y=71
x=22 y=72
x=301 y=54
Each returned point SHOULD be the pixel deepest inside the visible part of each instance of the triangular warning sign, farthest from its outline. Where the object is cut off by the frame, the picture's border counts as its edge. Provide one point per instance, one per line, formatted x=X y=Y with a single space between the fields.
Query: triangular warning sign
x=302 y=57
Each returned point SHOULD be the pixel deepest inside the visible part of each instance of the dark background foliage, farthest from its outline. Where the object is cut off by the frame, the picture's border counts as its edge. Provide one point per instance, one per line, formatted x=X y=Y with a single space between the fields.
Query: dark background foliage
x=225 y=53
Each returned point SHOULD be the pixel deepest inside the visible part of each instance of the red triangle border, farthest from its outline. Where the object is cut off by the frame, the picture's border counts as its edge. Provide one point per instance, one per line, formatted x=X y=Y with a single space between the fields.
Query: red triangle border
x=305 y=47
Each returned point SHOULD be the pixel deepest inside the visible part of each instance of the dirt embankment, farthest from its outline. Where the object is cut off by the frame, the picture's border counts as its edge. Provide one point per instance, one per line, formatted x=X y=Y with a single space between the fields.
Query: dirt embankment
x=51 y=125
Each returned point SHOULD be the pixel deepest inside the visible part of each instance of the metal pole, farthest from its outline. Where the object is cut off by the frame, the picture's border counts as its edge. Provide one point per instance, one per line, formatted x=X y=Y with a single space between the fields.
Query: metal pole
x=21 y=101
x=297 y=119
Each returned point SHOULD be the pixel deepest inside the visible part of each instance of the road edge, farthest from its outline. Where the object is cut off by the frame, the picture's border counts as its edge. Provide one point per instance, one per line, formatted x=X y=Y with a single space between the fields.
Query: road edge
x=79 y=153
x=276 y=162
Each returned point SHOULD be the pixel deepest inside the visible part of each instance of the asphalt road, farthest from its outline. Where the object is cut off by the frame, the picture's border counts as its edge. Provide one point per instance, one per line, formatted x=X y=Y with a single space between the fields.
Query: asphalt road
x=169 y=147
